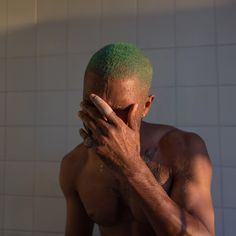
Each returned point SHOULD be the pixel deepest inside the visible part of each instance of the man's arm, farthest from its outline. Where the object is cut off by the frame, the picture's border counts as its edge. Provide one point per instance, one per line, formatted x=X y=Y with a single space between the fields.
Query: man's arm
x=120 y=143
x=77 y=221
x=188 y=210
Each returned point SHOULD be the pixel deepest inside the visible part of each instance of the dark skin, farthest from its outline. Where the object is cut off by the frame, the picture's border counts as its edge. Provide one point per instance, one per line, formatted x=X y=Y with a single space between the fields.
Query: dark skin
x=155 y=179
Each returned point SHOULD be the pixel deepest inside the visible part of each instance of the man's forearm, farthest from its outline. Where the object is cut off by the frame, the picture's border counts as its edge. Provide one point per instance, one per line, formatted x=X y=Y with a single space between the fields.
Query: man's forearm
x=165 y=216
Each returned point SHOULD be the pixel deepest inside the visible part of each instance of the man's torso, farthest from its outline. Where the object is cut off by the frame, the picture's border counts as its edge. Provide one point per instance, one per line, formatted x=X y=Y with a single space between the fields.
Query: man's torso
x=108 y=201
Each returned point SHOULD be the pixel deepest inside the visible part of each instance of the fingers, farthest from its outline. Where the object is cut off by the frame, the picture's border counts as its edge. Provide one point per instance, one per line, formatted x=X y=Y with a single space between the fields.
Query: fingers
x=104 y=108
x=89 y=125
x=91 y=110
x=83 y=133
x=88 y=122
x=103 y=126
x=99 y=121
x=132 y=117
x=88 y=141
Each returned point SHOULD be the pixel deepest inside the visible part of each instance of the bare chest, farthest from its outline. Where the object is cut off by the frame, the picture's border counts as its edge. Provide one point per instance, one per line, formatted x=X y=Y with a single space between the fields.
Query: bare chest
x=107 y=200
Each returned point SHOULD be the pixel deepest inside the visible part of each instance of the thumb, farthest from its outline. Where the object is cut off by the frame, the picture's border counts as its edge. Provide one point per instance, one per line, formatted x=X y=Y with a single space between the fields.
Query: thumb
x=132 y=119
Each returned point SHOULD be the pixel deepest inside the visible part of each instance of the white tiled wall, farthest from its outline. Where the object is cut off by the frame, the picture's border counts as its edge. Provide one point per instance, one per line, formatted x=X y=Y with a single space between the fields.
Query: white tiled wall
x=194 y=22
x=44 y=48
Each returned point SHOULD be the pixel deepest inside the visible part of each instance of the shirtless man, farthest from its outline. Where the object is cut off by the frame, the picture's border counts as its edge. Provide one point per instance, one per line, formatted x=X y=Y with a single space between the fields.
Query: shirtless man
x=131 y=177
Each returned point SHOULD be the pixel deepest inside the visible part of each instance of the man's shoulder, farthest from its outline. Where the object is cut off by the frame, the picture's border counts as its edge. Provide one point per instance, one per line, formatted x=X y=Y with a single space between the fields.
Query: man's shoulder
x=72 y=163
x=180 y=148
x=75 y=157
x=181 y=140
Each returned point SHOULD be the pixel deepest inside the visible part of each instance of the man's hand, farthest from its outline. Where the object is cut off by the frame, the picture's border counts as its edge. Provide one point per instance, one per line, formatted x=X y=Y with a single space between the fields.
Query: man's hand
x=116 y=143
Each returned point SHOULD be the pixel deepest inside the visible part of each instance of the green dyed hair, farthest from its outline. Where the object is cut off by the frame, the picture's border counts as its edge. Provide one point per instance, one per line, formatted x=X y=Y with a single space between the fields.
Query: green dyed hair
x=119 y=61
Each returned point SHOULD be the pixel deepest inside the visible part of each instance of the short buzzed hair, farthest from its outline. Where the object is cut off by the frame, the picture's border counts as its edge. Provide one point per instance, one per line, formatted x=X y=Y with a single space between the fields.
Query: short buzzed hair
x=121 y=60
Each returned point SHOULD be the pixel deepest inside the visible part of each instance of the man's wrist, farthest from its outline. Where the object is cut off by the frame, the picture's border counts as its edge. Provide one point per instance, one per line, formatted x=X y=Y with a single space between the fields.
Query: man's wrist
x=136 y=168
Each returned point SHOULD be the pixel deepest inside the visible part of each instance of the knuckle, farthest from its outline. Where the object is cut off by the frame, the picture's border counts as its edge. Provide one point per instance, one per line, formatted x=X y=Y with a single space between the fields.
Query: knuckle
x=88 y=142
x=103 y=140
x=98 y=149
x=111 y=132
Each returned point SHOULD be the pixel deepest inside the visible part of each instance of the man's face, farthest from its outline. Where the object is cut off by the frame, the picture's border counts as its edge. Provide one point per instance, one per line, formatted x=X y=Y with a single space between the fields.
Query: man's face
x=119 y=94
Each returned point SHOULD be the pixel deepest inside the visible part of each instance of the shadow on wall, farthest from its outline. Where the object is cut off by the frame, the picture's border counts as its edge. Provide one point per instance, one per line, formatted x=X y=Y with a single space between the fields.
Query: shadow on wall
x=43 y=78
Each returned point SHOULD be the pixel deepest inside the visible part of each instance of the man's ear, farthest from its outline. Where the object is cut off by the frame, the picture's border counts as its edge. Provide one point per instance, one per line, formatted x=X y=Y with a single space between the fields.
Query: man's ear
x=148 y=104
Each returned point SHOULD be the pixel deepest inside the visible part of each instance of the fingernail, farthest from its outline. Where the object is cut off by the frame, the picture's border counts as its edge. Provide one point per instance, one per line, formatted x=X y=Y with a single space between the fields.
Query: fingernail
x=92 y=96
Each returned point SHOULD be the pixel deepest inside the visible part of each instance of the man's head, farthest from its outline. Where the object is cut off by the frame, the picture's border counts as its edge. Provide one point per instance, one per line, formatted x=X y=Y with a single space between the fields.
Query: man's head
x=120 y=74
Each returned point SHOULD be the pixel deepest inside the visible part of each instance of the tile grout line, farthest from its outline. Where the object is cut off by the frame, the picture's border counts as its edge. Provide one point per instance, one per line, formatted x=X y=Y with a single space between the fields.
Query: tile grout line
x=67 y=75
x=37 y=231
x=101 y=25
x=137 y=22
x=143 y=48
x=36 y=83
x=156 y=87
x=58 y=162
x=175 y=65
x=61 y=197
x=219 y=117
x=186 y=125
x=5 y=121
x=66 y=130
x=39 y=196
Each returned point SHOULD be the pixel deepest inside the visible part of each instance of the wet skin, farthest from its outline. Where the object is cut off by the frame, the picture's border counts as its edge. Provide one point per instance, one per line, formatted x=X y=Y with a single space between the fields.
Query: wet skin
x=162 y=190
